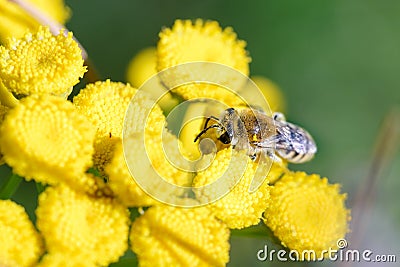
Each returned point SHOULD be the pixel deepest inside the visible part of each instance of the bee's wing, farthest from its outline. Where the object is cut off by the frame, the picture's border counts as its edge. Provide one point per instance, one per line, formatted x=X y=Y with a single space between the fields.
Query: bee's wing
x=263 y=167
x=268 y=143
x=257 y=108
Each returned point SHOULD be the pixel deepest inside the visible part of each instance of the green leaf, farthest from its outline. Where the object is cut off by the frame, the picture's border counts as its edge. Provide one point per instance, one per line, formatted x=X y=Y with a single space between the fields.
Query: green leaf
x=40 y=188
x=257 y=231
x=128 y=262
x=136 y=212
x=10 y=186
x=94 y=171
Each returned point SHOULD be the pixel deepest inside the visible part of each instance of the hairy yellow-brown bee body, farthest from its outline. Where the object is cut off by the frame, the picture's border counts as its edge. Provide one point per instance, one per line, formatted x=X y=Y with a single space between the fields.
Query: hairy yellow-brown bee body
x=257 y=133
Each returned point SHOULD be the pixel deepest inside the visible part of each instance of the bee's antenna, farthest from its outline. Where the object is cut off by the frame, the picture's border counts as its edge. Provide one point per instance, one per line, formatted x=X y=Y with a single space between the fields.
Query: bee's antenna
x=205 y=130
x=208 y=119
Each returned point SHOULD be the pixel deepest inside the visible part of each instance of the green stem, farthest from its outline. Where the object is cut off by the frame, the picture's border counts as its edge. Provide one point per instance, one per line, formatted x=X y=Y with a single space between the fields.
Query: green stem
x=10 y=186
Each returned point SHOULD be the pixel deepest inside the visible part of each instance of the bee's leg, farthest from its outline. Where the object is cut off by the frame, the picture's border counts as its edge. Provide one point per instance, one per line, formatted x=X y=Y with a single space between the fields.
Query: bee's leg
x=253 y=156
x=271 y=154
x=253 y=152
x=263 y=167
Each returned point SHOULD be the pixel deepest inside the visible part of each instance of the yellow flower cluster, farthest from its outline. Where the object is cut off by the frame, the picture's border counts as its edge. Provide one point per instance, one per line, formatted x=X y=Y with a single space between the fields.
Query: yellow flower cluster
x=200 y=40
x=121 y=181
x=20 y=243
x=239 y=208
x=143 y=66
x=169 y=236
x=82 y=152
x=6 y=97
x=41 y=63
x=307 y=213
x=61 y=259
x=76 y=224
x=203 y=41
x=122 y=184
x=104 y=104
x=3 y=112
x=270 y=91
x=49 y=139
x=46 y=139
x=14 y=21
x=286 y=205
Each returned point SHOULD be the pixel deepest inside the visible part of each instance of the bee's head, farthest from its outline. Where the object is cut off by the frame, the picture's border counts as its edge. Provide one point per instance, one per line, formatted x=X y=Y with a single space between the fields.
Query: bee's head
x=226 y=121
x=225 y=138
x=224 y=126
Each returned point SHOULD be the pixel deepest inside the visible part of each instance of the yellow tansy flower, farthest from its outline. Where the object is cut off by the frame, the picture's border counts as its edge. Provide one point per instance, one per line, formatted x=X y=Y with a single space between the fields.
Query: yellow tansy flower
x=189 y=41
x=277 y=171
x=271 y=93
x=14 y=21
x=163 y=151
x=41 y=63
x=142 y=66
x=143 y=118
x=193 y=123
x=196 y=41
x=307 y=213
x=122 y=183
x=150 y=147
x=46 y=139
x=239 y=208
x=92 y=185
x=74 y=223
x=143 y=115
x=104 y=103
x=20 y=243
x=6 y=97
x=170 y=236
x=66 y=260
x=3 y=112
x=125 y=186
x=104 y=150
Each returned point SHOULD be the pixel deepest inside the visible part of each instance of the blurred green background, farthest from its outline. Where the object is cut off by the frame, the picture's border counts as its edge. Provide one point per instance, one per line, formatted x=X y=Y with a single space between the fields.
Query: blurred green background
x=337 y=63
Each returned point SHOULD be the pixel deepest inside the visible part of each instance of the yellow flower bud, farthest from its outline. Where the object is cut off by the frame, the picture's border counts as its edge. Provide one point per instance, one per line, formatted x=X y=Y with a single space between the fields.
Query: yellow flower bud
x=75 y=223
x=44 y=138
x=21 y=245
x=307 y=213
x=40 y=63
x=174 y=236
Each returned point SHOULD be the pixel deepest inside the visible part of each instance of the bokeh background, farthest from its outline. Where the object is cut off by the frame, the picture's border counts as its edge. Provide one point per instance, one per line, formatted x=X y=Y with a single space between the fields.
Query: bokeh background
x=337 y=63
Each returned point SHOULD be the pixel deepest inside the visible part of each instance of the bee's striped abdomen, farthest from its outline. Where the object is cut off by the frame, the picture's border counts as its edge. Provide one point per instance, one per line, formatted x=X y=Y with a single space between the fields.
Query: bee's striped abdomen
x=294 y=143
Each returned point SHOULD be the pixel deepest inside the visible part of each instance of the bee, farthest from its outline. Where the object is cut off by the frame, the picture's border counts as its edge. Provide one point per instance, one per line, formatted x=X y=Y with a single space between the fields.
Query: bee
x=257 y=133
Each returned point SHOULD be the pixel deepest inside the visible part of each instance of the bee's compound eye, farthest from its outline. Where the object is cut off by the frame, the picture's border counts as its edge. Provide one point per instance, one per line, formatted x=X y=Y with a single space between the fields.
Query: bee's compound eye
x=230 y=110
x=224 y=138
